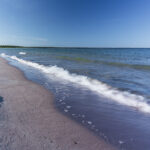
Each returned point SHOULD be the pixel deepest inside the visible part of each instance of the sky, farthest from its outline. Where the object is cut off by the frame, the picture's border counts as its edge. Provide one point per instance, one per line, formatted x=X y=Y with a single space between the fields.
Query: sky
x=75 y=23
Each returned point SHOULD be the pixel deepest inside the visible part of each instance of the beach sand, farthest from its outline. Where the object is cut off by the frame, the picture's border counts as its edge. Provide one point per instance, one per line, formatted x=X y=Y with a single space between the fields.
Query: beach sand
x=29 y=120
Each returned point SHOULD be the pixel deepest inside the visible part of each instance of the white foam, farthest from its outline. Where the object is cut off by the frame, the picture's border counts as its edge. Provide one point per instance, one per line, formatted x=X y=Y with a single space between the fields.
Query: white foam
x=124 y=98
x=22 y=53
x=120 y=142
x=68 y=107
x=89 y=122
x=65 y=110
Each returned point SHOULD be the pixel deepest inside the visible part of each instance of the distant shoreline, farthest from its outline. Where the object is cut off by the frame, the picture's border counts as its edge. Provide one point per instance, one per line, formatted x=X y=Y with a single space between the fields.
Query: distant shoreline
x=15 y=46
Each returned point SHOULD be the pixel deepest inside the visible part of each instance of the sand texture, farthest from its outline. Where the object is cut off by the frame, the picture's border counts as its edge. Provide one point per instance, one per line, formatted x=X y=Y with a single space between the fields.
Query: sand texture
x=29 y=120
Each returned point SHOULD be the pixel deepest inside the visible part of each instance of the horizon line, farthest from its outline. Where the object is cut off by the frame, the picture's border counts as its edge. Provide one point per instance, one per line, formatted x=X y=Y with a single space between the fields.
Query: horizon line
x=18 y=46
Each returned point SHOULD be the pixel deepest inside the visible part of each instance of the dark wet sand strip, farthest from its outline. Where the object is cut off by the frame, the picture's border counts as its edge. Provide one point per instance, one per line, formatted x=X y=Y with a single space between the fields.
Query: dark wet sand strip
x=29 y=120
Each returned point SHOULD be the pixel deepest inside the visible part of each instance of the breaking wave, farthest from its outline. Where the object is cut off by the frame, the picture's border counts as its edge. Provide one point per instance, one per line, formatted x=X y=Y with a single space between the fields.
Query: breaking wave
x=124 y=98
x=22 y=53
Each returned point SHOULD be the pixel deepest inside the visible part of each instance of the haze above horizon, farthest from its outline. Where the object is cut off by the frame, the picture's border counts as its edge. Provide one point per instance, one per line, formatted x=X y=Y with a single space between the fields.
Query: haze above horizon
x=75 y=23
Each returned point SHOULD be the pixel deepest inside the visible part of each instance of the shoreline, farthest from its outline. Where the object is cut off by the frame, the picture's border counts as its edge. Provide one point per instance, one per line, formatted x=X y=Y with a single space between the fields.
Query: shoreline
x=29 y=119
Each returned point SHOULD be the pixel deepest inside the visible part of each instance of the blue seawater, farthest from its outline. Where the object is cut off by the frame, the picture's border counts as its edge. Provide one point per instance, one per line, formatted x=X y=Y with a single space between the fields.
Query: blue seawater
x=106 y=90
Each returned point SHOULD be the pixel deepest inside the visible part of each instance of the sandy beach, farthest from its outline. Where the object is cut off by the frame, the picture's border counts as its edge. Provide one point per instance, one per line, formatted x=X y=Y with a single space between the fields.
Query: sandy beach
x=29 y=120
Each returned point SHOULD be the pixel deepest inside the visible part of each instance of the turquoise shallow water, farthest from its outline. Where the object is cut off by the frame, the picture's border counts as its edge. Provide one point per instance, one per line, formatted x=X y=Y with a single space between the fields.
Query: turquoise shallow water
x=106 y=90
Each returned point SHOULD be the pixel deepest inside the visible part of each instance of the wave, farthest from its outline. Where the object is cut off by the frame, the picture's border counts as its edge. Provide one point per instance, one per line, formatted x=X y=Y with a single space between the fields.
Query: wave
x=124 y=98
x=22 y=53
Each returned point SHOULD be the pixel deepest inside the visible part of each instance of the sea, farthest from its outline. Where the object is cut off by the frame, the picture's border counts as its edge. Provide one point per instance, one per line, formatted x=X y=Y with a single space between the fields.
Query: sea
x=106 y=90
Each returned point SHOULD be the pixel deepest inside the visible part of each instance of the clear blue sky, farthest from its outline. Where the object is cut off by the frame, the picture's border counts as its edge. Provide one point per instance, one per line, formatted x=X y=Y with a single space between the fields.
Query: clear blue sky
x=94 y=23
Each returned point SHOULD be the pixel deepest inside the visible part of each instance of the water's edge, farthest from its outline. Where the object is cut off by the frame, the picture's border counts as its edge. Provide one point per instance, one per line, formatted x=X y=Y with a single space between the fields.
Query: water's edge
x=74 y=119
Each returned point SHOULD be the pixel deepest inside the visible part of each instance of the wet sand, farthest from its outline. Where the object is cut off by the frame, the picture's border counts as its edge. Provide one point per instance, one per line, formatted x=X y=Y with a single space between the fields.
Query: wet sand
x=29 y=120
